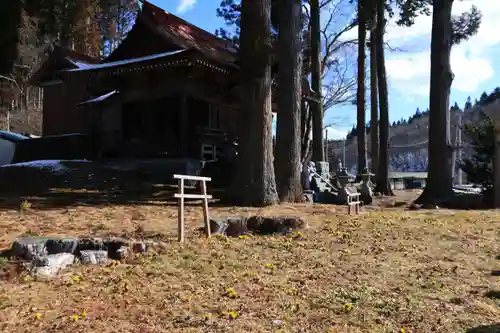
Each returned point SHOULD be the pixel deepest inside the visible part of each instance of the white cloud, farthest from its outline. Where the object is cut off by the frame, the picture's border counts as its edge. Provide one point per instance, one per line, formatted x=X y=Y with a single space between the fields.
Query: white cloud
x=471 y=61
x=185 y=5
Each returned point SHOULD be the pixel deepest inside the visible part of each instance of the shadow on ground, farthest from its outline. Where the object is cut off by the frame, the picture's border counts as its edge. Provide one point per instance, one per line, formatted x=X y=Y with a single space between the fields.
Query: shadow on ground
x=89 y=183
x=495 y=328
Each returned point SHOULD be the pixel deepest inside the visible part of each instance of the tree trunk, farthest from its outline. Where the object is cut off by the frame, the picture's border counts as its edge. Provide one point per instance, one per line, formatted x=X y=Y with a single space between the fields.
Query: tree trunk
x=303 y=117
x=439 y=185
x=9 y=37
x=316 y=108
x=306 y=123
x=373 y=104
x=383 y=186
x=360 y=97
x=288 y=129
x=255 y=183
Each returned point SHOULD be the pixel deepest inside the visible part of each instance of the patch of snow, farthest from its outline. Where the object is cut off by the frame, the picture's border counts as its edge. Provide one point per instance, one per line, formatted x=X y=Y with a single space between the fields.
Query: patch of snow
x=125 y=62
x=59 y=135
x=53 y=166
x=467 y=188
x=12 y=137
x=79 y=64
x=100 y=98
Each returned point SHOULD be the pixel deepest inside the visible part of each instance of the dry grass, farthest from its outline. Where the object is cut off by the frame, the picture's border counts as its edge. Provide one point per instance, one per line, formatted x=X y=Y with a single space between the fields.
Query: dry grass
x=384 y=271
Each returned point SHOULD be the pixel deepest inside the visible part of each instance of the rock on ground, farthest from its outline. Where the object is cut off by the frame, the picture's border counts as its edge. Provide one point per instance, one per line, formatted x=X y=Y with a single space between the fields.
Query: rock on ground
x=231 y=226
x=274 y=225
x=32 y=247
x=94 y=257
x=50 y=265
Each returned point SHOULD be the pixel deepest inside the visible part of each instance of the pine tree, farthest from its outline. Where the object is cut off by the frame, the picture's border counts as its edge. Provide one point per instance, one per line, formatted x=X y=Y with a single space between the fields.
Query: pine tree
x=468 y=104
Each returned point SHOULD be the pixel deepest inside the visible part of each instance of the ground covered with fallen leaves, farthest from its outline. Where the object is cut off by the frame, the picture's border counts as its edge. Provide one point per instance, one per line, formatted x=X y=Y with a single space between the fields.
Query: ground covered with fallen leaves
x=387 y=270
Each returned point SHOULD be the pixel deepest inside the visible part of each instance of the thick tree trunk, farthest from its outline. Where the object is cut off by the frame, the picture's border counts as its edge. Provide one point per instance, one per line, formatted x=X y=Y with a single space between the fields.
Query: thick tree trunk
x=383 y=186
x=316 y=108
x=288 y=129
x=255 y=183
x=10 y=16
x=361 y=93
x=439 y=185
x=373 y=105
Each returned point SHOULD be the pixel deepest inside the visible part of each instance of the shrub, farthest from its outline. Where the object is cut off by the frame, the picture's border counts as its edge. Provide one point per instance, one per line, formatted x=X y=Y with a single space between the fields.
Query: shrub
x=478 y=166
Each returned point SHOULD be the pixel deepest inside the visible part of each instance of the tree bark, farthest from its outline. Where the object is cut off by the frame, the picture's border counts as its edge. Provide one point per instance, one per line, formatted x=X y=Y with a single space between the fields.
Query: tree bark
x=439 y=185
x=306 y=123
x=361 y=93
x=288 y=129
x=316 y=108
x=373 y=105
x=383 y=186
x=9 y=38
x=255 y=183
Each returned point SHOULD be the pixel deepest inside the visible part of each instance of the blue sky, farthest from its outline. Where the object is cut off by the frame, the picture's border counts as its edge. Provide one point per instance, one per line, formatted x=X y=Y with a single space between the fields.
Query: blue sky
x=473 y=62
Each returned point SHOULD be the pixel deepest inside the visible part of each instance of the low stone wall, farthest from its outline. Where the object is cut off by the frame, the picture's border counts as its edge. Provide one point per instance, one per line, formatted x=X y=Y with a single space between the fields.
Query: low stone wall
x=45 y=257
x=235 y=226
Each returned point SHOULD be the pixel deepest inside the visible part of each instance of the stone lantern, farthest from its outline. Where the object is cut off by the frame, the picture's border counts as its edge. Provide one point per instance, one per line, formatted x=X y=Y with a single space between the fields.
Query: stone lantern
x=343 y=178
x=365 y=188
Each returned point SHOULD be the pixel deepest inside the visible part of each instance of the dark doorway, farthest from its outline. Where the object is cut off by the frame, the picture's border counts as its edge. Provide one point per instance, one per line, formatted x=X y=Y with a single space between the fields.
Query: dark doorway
x=152 y=126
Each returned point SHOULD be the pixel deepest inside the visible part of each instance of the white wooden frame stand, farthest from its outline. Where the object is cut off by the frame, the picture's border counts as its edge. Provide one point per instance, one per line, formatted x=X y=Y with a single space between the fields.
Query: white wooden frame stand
x=181 y=196
x=353 y=202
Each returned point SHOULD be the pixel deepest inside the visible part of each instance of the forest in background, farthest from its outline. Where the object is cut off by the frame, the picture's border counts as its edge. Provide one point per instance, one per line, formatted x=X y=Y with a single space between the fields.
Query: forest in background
x=32 y=27
x=409 y=137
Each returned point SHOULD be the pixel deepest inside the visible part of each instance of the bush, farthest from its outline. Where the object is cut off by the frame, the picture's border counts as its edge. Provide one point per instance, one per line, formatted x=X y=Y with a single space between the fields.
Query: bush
x=479 y=165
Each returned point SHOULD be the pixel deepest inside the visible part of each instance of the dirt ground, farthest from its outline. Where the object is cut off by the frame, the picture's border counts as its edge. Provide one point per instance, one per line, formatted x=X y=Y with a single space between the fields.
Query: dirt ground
x=387 y=270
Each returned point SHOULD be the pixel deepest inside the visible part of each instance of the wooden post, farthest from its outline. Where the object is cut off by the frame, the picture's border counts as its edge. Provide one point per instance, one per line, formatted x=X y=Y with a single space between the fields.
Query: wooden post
x=181 y=211
x=205 y=208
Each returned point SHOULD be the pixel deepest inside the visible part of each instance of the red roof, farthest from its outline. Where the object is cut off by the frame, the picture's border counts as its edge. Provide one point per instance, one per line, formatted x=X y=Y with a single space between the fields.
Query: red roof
x=187 y=35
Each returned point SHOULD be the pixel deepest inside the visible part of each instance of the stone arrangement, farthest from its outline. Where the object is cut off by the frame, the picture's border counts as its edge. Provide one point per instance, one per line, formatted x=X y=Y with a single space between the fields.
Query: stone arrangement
x=339 y=188
x=235 y=226
x=46 y=256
